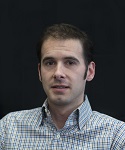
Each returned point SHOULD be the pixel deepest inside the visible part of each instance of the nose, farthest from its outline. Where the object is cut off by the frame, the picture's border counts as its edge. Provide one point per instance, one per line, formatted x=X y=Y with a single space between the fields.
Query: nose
x=59 y=72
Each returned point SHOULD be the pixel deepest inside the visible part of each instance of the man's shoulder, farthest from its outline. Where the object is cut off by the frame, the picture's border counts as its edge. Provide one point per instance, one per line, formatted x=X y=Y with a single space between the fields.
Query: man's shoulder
x=109 y=127
x=22 y=116
x=105 y=119
x=106 y=122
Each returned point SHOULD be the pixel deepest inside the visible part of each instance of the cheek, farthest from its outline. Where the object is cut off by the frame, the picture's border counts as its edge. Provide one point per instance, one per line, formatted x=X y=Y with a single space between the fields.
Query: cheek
x=77 y=79
x=46 y=77
x=80 y=75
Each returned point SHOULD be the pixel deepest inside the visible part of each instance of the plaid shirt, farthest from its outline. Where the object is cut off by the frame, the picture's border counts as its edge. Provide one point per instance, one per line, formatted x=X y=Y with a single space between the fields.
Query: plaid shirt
x=84 y=130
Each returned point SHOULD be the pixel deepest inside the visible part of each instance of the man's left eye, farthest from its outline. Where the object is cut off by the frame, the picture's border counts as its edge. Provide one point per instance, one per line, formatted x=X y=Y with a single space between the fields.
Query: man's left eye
x=70 y=62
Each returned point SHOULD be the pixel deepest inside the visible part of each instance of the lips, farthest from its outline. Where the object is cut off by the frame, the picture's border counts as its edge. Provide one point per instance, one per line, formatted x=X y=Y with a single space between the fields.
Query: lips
x=59 y=89
x=60 y=86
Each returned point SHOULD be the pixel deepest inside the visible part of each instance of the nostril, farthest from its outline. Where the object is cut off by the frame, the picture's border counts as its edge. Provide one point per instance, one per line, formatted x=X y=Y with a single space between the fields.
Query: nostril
x=58 y=76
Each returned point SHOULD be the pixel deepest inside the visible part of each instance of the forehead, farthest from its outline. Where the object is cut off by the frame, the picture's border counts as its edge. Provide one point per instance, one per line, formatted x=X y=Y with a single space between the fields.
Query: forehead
x=62 y=47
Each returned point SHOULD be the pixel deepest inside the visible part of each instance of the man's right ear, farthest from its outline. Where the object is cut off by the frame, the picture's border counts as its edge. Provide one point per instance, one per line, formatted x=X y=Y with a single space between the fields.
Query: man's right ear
x=39 y=72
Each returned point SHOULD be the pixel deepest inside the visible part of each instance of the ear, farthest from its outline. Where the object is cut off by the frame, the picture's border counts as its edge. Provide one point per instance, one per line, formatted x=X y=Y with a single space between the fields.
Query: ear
x=39 y=72
x=90 y=71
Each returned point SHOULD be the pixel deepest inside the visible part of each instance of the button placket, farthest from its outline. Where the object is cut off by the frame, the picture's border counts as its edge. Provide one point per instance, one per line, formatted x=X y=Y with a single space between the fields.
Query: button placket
x=58 y=135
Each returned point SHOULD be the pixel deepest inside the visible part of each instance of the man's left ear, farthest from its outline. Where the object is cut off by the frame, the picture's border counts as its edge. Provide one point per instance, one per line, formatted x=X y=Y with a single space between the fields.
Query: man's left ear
x=90 y=71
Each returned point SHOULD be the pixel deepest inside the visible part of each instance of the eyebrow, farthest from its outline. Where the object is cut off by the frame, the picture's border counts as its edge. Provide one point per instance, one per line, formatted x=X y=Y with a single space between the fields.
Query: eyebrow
x=72 y=58
x=65 y=58
x=47 y=58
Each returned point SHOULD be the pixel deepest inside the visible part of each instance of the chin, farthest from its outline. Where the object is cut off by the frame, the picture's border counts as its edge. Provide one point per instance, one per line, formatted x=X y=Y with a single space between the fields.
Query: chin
x=60 y=101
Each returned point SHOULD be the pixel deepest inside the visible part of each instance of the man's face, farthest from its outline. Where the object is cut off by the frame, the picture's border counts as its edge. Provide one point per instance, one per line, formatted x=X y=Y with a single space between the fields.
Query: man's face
x=62 y=71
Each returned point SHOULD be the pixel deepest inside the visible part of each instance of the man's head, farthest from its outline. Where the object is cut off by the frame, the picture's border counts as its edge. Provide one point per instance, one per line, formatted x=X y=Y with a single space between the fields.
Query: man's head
x=65 y=63
x=65 y=32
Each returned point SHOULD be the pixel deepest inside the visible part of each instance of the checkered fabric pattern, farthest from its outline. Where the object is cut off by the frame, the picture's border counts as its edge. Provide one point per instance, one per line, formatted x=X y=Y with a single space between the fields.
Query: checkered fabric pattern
x=84 y=130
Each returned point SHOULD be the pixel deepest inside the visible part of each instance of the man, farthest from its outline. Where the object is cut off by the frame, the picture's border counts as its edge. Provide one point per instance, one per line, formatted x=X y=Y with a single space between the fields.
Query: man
x=65 y=121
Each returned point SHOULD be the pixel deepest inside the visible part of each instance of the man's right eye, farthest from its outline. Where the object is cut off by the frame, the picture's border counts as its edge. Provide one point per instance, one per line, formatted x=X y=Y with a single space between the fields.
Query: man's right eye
x=49 y=63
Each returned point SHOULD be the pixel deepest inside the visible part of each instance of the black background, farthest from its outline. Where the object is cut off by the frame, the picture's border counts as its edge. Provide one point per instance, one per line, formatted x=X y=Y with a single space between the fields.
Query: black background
x=21 y=23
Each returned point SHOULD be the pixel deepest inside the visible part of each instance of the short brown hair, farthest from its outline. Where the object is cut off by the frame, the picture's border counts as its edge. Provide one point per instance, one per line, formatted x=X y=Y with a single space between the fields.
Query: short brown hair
x=66 y=31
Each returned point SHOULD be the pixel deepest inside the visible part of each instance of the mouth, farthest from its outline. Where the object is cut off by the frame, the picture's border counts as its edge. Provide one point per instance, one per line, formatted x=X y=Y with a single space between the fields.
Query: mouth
x=59 y=89
x=60 y=86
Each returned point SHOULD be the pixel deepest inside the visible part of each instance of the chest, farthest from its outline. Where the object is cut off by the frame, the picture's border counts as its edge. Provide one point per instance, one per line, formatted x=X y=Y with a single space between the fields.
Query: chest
x=46 y=138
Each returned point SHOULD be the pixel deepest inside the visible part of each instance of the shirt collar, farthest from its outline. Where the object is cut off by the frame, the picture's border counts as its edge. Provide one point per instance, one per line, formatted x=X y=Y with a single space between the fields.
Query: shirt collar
x=44 y=111
x=84 y=112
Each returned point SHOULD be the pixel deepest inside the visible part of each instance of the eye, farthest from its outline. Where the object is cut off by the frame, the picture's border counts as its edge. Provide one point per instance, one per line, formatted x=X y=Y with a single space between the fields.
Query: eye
x=70 y=62
x=49 y=63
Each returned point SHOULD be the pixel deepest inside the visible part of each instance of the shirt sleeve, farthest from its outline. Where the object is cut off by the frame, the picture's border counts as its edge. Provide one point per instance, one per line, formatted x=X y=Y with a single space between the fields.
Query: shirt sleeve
x=4 y=124
x=119 y=138
x=2 y=133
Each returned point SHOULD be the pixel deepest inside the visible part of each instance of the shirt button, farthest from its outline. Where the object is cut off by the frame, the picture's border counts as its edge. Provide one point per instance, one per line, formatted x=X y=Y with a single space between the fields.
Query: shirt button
x=58 y=136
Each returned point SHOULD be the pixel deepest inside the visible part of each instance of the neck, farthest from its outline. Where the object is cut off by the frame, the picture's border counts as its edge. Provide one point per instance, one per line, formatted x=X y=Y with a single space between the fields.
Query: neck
x=60 y=114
